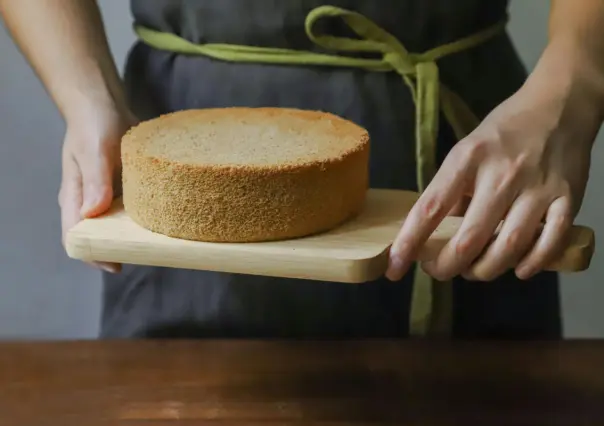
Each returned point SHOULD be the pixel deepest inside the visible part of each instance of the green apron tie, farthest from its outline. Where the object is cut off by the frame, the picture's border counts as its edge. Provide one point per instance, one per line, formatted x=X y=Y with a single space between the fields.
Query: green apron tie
x=431 y=301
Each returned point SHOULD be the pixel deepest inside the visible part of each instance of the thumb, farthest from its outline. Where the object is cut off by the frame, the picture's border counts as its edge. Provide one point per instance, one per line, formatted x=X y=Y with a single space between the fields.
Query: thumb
x=97 y=185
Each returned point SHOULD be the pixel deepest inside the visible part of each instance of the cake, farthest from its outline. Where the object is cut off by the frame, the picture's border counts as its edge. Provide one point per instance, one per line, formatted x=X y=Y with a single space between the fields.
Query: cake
x=244 y=174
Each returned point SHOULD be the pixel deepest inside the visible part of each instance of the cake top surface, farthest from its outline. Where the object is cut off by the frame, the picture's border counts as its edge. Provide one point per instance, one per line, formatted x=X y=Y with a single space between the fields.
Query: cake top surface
x=246 y=136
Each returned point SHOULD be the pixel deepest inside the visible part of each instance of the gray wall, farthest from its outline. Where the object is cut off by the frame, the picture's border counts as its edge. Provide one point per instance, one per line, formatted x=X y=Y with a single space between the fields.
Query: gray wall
x=45 y=295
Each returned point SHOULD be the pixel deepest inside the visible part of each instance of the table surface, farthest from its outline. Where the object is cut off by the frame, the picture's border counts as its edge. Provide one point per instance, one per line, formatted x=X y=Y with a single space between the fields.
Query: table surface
x=278 y=383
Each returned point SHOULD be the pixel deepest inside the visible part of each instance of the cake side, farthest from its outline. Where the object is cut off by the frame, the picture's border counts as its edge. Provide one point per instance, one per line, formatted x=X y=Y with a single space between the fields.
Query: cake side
x=243 y=203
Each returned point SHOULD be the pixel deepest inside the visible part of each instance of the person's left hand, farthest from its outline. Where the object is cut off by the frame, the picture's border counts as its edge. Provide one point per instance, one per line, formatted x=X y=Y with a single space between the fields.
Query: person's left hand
x=526 y=163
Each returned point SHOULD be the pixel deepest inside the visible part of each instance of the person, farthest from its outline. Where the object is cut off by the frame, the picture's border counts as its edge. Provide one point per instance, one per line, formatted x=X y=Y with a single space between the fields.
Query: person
x=526 y=158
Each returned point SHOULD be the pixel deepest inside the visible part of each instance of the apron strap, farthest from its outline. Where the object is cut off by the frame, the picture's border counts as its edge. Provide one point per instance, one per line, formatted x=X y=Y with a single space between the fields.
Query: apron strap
x=431 y=304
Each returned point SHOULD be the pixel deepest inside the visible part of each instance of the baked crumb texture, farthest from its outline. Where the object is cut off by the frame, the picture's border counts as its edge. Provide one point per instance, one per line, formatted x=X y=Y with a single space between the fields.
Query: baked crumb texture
x=244 y=174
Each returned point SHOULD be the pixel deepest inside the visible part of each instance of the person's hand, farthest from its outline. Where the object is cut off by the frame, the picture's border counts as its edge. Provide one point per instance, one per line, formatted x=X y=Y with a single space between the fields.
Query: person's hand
x=526 y=164
x=91 y=165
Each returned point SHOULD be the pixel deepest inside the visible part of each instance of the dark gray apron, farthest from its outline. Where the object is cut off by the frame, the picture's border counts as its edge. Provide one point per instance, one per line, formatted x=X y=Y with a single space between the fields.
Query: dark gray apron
x=164 y=302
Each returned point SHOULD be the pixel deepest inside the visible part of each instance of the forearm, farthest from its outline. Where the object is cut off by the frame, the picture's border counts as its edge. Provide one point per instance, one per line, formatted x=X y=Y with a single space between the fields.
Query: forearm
x=573 y=61
x=580 y=23
x=65 y=43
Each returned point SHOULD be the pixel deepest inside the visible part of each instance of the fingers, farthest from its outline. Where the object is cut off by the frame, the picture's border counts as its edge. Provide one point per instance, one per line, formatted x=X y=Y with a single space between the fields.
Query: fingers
x=70 y=200
x=488 y=206
x=558 y=221
x=515 y=238
x=112 y=268
x=460 y=208
x=439 y=198
x=70 y=195
x=97 y=184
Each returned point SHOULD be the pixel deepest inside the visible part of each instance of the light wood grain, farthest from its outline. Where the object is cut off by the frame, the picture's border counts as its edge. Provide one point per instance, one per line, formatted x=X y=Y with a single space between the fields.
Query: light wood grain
x=355 y=252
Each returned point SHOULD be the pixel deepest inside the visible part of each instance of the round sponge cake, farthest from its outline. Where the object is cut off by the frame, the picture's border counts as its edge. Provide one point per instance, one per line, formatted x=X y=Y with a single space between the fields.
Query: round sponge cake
x=244 y=174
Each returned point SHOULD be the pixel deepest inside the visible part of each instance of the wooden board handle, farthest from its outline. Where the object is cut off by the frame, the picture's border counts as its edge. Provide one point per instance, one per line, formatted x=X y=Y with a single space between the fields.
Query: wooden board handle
x=575 y=256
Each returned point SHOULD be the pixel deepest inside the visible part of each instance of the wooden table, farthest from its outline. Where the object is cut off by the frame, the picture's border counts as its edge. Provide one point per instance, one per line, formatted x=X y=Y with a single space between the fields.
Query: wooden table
x=170 y=383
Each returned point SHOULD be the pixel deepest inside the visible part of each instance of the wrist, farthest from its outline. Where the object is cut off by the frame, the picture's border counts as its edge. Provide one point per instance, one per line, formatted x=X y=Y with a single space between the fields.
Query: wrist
x=98 y=117
x=570 y=73
x=94 y=91
x=83 y=107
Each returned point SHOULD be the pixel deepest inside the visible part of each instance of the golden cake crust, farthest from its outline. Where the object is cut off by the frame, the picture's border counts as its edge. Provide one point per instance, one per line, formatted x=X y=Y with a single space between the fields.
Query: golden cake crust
x=244 y=174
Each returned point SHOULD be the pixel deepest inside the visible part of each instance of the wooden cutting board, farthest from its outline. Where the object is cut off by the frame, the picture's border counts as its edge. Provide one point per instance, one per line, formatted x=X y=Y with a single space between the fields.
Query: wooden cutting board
x=355 y=252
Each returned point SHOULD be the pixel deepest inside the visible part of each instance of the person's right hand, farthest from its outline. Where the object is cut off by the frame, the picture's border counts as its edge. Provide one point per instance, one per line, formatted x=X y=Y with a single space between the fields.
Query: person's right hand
x=91 y=165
